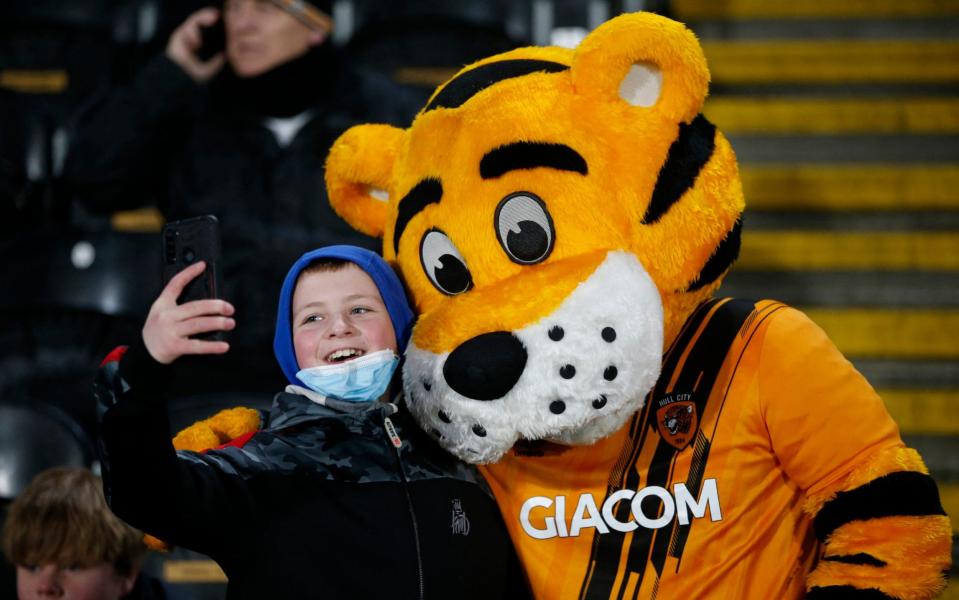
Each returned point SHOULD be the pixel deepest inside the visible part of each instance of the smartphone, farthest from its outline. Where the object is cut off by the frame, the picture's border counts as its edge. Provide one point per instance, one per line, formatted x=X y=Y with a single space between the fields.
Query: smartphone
x=212 y=40
x=186 y=242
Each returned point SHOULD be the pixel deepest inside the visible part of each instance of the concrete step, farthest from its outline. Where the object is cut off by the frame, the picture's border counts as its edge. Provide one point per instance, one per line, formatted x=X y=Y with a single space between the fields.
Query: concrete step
x=910 y=373
x=846 y=149
x=823 y=115
x=852 y=221
x=881 y=187
x=907 y=289
x=941 y=455
x=824 y=29
x=833 y=61
x=695 y=10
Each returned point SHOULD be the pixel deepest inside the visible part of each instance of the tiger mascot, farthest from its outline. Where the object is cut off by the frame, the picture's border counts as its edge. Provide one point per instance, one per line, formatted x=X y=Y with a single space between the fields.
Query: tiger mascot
x=561 y=219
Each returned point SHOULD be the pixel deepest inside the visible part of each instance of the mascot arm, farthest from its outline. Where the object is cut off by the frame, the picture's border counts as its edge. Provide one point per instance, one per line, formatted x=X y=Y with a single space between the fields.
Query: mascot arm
x=876 y=511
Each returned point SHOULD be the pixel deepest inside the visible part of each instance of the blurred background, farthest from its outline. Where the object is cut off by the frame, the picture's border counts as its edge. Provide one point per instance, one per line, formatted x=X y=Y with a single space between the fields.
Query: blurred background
x=844 y=116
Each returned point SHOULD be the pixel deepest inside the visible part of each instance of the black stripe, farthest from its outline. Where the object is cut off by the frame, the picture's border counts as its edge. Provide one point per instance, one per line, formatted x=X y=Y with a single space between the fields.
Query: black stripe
x=845 y=592
x=604 y=555
x=460 y=89
x=725 y=255
x=626 y=460
x=687 y=156
x=856 y=559
x=686 y=335
x=694 y=482
x=906 y=493
x=704 y=360
x=424 y=193
x=528 y=155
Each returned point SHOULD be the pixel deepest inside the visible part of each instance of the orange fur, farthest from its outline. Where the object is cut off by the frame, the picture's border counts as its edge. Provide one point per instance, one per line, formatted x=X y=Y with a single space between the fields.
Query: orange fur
x=361 y=161
x=916 y=550
x=219 y=429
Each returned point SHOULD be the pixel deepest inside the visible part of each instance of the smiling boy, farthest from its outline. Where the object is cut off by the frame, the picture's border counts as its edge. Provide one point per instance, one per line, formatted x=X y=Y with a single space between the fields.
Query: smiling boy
x=329 y=327
x=340 y=495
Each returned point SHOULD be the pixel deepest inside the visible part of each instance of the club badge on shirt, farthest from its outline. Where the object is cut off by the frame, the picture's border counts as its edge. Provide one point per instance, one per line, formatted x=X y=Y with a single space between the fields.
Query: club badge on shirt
x=676 y=420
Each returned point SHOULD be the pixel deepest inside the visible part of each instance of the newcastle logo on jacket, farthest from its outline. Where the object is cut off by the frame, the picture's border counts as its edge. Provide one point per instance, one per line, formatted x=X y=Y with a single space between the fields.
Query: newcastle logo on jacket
x=461 y=523
x=544 y=518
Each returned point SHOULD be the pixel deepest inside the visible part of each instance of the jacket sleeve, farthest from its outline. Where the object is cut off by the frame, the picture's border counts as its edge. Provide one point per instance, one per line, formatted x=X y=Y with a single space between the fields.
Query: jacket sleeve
x=123 y=142
x=186 y=499
x=875 y=509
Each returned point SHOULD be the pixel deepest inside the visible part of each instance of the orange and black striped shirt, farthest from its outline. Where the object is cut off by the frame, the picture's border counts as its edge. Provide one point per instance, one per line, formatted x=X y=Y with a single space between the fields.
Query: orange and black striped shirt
x=700 y=494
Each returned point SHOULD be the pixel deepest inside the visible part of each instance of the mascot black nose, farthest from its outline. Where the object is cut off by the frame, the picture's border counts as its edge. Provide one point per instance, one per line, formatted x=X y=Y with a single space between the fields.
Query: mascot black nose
x=486 y=367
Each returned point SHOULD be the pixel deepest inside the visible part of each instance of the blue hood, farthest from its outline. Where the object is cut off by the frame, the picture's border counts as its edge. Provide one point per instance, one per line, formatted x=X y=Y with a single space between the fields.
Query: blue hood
x=379 y=271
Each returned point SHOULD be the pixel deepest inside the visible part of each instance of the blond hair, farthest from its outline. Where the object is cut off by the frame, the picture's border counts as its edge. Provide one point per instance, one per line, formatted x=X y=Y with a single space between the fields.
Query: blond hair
x=62 y=518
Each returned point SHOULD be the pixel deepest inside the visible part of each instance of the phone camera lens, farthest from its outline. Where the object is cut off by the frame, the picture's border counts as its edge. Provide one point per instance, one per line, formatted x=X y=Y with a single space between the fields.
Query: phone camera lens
x=188 y=256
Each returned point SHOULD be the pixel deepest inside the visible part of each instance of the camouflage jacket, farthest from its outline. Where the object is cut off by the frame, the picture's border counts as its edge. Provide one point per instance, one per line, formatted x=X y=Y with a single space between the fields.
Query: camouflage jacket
x=326 y=501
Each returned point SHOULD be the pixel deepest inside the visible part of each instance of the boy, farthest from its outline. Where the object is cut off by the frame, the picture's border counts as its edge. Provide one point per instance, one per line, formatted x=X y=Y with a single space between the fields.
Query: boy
x=67 y=544
x=340 y=494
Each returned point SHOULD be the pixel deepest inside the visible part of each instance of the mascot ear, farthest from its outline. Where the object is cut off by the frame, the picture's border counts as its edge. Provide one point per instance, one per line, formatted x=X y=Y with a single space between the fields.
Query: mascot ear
x=644 y=60
x=358 y=173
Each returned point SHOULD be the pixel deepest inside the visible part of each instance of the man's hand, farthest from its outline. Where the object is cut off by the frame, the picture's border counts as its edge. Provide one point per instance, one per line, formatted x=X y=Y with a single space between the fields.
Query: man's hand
x=186 y=41
x=167 y=331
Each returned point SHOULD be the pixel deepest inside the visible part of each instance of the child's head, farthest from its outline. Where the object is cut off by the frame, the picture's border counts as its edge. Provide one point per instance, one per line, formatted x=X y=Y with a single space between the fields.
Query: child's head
x=339 y=303
x=337 y=315
x=63 y=538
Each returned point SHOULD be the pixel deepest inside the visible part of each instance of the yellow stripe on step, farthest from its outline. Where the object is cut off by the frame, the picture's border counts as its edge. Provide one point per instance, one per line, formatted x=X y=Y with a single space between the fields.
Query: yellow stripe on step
x=949 y=494
x=854 y=187
x=693 y=10
x=812 y=250
x=192 y=571
x=835 y=61
x=28 y=81
x=140 y=220
x=924 y=412
x=771 y=116
x=891 y=333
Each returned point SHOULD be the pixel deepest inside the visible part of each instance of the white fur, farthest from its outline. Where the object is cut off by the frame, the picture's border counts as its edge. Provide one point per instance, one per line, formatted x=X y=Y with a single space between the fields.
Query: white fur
x=642 y=85
x=619 y=294
x=378 y=193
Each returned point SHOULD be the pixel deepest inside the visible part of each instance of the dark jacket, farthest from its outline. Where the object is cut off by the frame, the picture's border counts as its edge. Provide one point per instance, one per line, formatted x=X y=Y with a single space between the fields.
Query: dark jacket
x=164 y=140
x=318 y=504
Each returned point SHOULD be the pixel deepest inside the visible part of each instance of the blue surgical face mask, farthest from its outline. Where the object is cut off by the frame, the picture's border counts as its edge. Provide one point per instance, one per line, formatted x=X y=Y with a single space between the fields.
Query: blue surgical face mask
x=358 y=380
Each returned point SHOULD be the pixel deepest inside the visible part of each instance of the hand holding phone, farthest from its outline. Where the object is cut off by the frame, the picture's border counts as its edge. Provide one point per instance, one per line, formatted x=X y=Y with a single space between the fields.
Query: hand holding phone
x=172 y=329
x=186 y=243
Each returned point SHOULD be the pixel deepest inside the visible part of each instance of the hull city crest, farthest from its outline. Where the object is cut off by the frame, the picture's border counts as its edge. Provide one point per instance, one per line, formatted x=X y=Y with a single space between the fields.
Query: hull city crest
x=676 y=420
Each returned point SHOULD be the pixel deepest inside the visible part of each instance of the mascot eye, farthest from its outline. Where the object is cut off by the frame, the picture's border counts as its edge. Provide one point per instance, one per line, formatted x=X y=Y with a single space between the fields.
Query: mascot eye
x=524 y=228
x=444 y=264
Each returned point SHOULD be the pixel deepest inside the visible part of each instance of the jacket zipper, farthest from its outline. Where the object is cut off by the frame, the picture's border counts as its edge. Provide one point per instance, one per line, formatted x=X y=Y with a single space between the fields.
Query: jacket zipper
x=396 y=442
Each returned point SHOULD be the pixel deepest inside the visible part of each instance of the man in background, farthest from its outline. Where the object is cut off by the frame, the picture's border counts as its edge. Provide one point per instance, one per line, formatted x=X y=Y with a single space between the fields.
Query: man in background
x=240 y=132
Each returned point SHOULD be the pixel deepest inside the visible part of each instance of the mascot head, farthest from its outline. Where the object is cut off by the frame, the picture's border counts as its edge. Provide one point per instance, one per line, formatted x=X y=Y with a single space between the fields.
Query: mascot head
x=556 y=215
